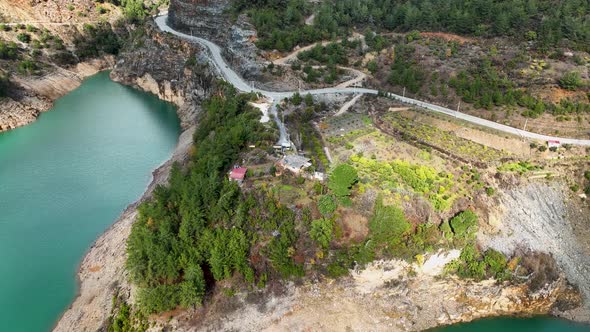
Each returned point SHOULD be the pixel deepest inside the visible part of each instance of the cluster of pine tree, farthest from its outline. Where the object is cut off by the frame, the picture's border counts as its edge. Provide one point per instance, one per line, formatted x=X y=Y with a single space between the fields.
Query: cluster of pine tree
x=200 y=228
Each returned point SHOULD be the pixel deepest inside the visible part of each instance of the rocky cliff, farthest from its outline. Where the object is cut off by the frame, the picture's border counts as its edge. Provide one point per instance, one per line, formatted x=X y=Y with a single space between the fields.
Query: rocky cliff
x=210 y=19
x=172 y=69
x=30 y=96
x=52 y=27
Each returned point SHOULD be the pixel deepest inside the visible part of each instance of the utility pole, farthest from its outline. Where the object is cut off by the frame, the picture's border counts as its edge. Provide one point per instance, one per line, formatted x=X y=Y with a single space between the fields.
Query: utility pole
x=404 y=93
x=458 y=108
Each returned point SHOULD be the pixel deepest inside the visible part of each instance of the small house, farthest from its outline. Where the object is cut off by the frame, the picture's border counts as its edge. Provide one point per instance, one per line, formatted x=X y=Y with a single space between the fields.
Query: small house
x=295 y=163
x=238 y=174
x=553 y=144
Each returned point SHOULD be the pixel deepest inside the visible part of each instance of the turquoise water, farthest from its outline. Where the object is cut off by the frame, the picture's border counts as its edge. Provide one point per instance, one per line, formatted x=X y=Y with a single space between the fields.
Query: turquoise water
x=509 y=324
x=63 y=180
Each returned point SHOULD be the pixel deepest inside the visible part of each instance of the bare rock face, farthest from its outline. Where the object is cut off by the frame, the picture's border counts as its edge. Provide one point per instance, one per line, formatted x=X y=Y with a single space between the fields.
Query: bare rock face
x=30 y=96
x=208 y=19
x=170 y=68
x=204 y=18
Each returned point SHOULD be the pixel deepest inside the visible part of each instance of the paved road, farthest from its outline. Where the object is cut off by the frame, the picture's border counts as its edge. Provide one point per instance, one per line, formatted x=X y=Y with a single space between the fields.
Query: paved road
x=231 y=76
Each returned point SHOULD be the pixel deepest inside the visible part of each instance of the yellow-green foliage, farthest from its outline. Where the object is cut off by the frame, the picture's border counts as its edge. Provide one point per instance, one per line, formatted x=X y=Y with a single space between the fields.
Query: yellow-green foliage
x=425 y=180
x=444 y=139
x=520 y=167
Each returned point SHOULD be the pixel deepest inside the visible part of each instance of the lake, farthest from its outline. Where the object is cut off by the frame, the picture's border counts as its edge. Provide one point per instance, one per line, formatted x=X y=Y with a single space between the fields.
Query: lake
x=64 y=180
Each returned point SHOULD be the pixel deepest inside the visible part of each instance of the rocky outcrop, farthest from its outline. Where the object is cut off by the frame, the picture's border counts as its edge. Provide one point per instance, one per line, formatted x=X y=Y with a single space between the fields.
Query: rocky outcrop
x=173 y=70
x=200 y=17
x=208 y=19
x=388 y=295
x=544 y=218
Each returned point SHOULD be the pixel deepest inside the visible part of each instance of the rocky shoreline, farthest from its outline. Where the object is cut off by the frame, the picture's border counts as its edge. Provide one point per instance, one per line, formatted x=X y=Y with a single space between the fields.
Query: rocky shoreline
x=35 y=95
x=102 y=271
x=161 y=70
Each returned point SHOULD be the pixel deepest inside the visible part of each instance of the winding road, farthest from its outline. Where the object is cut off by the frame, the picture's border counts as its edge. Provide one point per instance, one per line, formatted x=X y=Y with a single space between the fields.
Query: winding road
x=215 y=53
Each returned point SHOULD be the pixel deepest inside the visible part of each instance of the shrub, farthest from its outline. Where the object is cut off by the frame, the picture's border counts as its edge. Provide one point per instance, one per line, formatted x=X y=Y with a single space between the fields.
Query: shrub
x=341 y=180
x=464 y=224
x=587 y=175
x=23 y=37
x=327 y=205
x=27 y=67
x=388 y=224
x=571 y=81
x=322 y=231
x=490 y=191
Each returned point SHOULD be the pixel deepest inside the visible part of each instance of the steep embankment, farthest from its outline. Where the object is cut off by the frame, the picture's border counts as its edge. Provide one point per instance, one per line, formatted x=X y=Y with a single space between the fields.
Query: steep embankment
x=45 y=67
x=158 y=66
x=545 y=218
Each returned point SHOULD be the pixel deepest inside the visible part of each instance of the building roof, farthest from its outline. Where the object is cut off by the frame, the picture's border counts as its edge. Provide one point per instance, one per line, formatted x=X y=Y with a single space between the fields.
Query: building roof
x=238 y=173
x=296 y=161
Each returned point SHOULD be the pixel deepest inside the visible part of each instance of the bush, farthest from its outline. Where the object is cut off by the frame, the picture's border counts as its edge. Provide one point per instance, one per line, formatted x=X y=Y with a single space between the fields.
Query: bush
x=8 y=51
x=464 y=224
x=341 y=180
x=587 y=175
x=23 y=37
x=388 y=224
x=490 y=191
x=327 y=205
x=27 y=67
x=322 y=232
x=571 y=81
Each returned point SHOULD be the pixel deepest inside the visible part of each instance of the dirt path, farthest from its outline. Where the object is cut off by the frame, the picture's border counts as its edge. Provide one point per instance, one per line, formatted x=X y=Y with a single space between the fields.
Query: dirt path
x=348 y=105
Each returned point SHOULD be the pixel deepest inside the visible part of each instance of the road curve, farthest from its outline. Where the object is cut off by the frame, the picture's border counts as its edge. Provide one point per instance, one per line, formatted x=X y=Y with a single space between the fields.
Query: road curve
x=232 y=77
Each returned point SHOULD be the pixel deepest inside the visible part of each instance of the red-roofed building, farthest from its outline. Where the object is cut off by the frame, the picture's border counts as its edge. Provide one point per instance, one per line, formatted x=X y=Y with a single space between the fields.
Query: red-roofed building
x=554 y=144
x=238 y=174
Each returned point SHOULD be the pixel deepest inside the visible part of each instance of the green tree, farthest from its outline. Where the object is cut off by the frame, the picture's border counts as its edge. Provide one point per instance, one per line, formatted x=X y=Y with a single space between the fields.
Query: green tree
x=372 y=66
x=322 y=231
x=341 y=180
x=464 y=224
x=388 y=224
x=296 y=99
x=327 y=205
x=192 y=289
x=308 y=100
